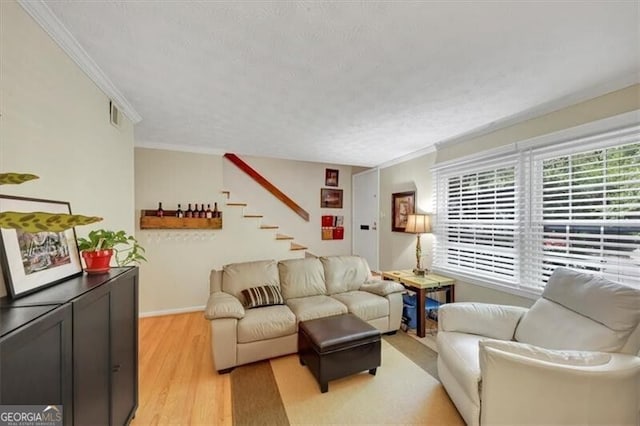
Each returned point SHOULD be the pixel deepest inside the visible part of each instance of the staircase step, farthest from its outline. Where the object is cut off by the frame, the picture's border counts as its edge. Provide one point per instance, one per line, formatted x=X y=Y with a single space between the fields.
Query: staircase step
x=226 y=193
x=283 y=237
x=253 y=215
x=295 y=246
x=269 y=227
x=237 y=204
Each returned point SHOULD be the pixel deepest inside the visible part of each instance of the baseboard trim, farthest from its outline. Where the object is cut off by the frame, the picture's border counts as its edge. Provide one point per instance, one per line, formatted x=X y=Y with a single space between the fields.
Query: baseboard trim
x=171 y=311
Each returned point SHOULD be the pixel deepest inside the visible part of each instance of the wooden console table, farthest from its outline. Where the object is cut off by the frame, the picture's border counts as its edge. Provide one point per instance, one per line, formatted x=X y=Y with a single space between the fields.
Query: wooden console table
x=422 y=285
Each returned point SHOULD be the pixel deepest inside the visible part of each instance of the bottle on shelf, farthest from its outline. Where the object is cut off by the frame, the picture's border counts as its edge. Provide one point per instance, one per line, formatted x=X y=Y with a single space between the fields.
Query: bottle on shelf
x=203 y=212
x=189 y=212
x=208 y=213
x=179 y=212
x=160 y=212
x=216 y=213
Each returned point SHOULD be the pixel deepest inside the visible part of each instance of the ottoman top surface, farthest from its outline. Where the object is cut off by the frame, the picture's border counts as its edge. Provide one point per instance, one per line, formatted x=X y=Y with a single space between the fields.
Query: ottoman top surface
x=338 y=330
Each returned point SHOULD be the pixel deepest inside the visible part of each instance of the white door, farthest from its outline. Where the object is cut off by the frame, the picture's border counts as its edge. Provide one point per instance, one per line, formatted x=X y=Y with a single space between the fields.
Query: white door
x=365 y=216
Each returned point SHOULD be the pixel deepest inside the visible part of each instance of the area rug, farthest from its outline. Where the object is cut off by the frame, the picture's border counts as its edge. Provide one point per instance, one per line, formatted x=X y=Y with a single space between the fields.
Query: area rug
x=404 y=391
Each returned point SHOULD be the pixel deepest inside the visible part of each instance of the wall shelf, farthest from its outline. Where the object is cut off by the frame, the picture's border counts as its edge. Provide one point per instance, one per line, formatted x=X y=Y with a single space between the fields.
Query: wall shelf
x=149 y=220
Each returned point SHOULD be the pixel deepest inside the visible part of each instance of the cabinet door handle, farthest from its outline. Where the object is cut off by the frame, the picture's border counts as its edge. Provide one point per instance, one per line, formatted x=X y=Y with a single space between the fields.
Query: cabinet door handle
x=116 y=368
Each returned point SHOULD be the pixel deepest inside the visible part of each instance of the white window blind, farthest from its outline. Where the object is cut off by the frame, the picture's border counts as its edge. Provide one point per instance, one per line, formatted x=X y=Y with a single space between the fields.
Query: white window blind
x=477 y=222
x=586 y=214
x=513 y=219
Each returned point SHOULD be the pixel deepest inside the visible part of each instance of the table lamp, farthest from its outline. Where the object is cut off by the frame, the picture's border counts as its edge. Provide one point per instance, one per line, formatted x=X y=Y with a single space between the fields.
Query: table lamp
x=418 y=224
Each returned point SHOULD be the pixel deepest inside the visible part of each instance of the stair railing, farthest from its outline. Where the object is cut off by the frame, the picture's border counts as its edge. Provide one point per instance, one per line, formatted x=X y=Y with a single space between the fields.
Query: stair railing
x=267 y=185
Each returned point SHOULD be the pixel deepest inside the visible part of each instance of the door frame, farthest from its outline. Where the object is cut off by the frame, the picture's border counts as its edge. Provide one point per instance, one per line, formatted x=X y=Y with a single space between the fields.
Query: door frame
x=354 y=226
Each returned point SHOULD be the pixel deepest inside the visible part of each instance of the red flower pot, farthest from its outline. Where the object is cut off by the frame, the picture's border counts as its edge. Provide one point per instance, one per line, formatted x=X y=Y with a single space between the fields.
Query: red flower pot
x=97 y=261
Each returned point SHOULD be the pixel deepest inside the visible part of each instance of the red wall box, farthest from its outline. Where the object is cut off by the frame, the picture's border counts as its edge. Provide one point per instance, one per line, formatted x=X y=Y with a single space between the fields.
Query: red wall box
x=327 y=233
x=327 y=220
x=338 y=233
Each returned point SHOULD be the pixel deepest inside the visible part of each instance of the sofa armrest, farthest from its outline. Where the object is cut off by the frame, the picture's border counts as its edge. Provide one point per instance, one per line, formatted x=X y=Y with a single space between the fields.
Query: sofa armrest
x=484 y=319
x=223 y=305
x=525 y=384
x=382 y=288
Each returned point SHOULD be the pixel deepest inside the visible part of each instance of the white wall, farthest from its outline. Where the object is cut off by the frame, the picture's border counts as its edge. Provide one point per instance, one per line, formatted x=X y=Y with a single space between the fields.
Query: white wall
x=301 y=181
x=55 y=124
x=397 y=249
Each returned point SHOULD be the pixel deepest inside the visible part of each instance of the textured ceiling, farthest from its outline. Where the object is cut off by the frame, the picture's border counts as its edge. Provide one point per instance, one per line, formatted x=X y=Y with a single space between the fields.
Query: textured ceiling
x=348 y=82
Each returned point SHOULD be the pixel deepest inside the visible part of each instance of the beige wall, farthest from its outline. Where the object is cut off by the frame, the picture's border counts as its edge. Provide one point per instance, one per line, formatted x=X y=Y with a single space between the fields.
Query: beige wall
x=301 y=181
x=176 y=277
x=397 y=250
x=55 y=124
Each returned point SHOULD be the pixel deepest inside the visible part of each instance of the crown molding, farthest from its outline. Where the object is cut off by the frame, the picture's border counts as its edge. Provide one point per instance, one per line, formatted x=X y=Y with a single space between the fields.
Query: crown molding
x=424 y=151
x=49 y=22
x=180 y=148
x=621 y=82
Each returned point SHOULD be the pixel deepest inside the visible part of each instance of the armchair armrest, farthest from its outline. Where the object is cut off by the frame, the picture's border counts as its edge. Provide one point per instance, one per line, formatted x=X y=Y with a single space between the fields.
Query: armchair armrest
x=484 y=319
x=382 y=287
x=223 y=305
x=525 y=384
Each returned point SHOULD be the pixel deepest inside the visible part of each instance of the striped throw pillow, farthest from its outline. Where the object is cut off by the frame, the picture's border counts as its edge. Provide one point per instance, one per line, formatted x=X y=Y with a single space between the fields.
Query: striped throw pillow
x=267 y=295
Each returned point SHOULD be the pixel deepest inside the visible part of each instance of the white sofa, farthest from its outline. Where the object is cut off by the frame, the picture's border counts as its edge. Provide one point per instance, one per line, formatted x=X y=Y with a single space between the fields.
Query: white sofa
x=572 y=358
x=311 y=288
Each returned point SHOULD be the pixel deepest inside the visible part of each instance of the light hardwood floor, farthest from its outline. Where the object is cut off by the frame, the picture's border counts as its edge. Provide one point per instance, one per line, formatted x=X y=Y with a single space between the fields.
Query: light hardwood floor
x=177 y=382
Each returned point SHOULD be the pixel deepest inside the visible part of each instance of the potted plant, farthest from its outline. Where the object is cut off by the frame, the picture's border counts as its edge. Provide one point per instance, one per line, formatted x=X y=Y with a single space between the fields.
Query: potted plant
x=100 y=245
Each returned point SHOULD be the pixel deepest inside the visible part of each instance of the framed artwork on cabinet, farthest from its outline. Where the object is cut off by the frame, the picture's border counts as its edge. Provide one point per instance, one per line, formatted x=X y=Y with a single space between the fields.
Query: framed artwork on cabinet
x=34 y=260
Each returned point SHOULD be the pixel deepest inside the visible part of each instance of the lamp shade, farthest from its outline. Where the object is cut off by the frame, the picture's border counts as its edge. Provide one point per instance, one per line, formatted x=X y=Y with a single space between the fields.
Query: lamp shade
x=418 y=224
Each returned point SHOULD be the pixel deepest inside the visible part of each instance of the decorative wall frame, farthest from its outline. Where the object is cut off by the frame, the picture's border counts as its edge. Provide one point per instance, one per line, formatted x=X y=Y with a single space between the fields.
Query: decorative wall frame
x=402 y=205
x=332 y=227
x=32 y=261
x=331 y=177
x=331 y=198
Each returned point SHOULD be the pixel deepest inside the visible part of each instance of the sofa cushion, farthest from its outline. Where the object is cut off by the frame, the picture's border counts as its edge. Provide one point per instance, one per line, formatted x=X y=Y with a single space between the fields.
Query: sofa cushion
x=239 y=276
x=459 y=351
x=223 y=305
x=306 y=308
x=257 y=297
x=382 y=287
x=266 y=323
x=344 y=273
x=365 y=305
x=552 y=326
x=301 y=277
x=615 y=305
x=571 y=358
x=484 y=319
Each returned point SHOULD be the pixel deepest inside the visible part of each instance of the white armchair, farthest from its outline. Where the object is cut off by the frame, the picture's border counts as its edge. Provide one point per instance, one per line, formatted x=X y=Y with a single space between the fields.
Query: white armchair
x=572 y=358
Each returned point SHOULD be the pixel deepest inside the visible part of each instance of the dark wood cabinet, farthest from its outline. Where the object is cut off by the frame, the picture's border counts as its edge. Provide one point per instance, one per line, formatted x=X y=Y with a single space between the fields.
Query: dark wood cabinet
x=80 y=339
x=36 y=362
x=124 y=351
x=91 y=359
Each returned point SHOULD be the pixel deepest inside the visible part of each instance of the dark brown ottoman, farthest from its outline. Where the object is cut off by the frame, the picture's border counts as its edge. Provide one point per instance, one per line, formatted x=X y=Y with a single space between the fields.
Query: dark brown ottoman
x=338 y=346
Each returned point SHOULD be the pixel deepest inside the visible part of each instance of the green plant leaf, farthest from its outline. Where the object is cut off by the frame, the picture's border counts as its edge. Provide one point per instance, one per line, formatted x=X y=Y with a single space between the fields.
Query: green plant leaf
x=126 y=247
x=42 y=221
x=16 y=178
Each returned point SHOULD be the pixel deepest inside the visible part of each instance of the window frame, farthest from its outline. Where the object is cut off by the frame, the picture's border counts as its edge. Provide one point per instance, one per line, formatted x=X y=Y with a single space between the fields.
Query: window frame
x=609 y=132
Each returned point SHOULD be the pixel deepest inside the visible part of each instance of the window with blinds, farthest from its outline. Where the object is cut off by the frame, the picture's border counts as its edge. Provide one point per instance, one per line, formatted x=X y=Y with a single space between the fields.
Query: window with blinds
x=586 y=214
x=478 y=229
x=512 y=220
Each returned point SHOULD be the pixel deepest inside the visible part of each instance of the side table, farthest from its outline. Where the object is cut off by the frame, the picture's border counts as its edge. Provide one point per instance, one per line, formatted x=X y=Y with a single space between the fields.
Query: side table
x=422 y=285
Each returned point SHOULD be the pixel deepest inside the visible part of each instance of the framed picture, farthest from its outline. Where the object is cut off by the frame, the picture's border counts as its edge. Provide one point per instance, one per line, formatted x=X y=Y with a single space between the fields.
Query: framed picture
x=331 y=177
x=402 y=205
x=32 y=261
x=331 y=198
